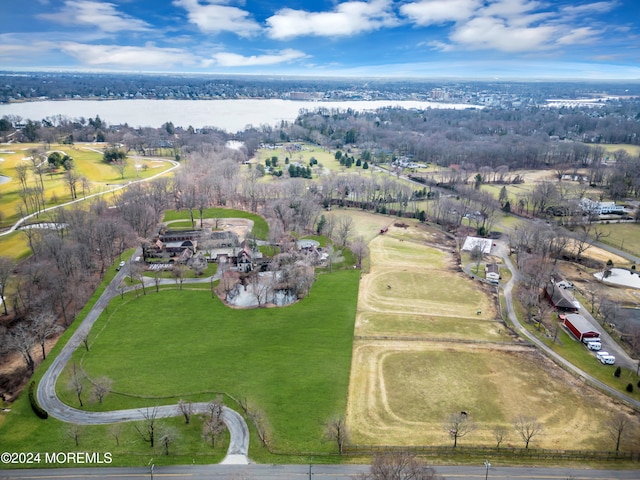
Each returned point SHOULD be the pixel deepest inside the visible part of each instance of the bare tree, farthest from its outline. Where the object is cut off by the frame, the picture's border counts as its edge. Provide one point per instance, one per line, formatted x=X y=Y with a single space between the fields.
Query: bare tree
x=359 y=249
x=399 y=466
x=477 y=254
x=6 y=269
x=336 y=430
x=617 y=427
x=186 y=408
x=43 y=326
x=215 y=407
x=119 y=166
x=76 y=382
x=168 y=436
x=148 y=429
x=344 y=229
x=101 y=387
x=179 y=271
x=585 y=237
x=500 y=434
x=259 y=420
x=21 y=340
x=73 y=432
x=262 y=286
x=459 y=425
x=136 y=270
x=115 y=431
x=527 y=427
x=212 y=428
x=71 y=178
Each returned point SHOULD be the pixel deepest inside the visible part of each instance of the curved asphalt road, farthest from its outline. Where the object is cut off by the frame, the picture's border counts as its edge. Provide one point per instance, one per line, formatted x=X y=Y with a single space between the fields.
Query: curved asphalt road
x=553 y=355
x=46 y=393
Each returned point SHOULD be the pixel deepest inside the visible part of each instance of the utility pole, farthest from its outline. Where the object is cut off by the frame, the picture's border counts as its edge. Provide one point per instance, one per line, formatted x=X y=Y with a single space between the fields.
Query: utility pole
x=487 y=466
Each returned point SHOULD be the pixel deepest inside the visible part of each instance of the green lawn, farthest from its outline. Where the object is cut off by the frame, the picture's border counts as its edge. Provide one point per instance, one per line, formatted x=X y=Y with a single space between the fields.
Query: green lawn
x=260 y=226
x=14 y=245
x=625 y=236
x=292 y=362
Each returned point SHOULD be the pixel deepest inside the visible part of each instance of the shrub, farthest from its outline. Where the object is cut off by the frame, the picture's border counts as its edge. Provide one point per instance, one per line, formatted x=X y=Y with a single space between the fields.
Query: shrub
x=630 y=388
x=37 y=409
x=617 y=372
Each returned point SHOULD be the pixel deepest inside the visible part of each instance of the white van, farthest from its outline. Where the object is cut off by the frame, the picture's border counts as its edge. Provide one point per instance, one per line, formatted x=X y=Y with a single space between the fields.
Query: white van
x=602 y=353
x=594 y=345
x=607 y=359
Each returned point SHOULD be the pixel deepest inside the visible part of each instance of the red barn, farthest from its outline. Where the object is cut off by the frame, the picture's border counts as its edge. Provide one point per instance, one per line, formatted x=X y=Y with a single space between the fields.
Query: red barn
x=579 y=326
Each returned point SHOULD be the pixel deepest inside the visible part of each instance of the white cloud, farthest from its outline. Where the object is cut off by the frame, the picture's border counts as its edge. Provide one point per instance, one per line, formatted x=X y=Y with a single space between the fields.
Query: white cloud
x=495 y=33
x=434 y=12
x=216 y=18
x=346 y=19
x=101 y=15
x=510 y=8
x=226 y=59
x=579 y=35
x=128 y=56
x=590 y=8
x=22 y=49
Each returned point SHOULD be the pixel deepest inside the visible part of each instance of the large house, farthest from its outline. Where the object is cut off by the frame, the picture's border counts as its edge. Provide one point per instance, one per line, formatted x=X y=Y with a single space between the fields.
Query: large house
x=600 y=208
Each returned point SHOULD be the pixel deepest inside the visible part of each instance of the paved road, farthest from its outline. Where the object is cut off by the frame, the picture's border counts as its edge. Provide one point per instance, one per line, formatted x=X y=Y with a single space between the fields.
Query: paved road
x=508 y=288
x=318 y=472
x=46 y=393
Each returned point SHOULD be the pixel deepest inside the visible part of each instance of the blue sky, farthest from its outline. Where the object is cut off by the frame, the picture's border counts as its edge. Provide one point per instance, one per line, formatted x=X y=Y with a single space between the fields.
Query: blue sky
x=486 y=39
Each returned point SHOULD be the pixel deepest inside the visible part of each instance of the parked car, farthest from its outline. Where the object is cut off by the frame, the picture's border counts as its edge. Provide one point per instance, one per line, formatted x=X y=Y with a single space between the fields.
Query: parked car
x=564 y=284
x=120 y=265
x=594 y=345
x=607 y=359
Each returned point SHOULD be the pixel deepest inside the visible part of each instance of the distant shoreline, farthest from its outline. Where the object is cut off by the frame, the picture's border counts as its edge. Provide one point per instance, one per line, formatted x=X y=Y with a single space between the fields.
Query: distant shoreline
x=231 y=115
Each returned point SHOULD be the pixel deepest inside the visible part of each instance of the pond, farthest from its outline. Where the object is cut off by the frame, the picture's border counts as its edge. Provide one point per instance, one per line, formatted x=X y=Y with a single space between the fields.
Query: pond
x=244 y=296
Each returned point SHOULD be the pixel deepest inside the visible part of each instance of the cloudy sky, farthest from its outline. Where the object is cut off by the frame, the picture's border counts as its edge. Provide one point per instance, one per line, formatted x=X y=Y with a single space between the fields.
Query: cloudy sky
x=526 y=39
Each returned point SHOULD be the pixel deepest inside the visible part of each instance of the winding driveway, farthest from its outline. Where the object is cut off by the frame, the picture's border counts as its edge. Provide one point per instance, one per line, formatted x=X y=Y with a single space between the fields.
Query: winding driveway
x=508 y=288
x=48 y=399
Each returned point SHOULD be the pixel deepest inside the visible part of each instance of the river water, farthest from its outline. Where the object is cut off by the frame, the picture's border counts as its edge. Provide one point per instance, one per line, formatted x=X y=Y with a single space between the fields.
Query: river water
x=229 y=115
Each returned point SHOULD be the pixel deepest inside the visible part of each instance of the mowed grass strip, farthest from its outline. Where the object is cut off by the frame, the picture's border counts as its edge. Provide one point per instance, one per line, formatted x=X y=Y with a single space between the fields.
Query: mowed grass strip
x=429 y=327
x=438 y=292
x=292 y=362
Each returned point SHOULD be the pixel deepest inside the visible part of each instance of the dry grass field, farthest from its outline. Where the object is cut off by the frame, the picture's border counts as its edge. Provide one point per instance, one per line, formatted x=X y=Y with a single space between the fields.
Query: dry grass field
x=401 y=393
x=422 y=352
x=598 y=254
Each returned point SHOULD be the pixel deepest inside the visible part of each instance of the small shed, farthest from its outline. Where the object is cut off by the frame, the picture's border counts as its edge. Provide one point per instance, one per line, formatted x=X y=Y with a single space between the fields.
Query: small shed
x=579 y=326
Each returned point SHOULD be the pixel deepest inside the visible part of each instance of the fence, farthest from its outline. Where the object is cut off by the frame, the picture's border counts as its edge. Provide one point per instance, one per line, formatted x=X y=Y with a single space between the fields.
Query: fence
x=493 y=452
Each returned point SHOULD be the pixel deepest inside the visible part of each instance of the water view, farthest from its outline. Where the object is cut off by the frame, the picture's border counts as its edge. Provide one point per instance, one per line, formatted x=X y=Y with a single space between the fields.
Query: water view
x=229 y=115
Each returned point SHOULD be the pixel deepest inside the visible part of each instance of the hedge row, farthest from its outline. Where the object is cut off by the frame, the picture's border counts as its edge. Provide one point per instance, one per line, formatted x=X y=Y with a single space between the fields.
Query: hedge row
x=37 y=409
